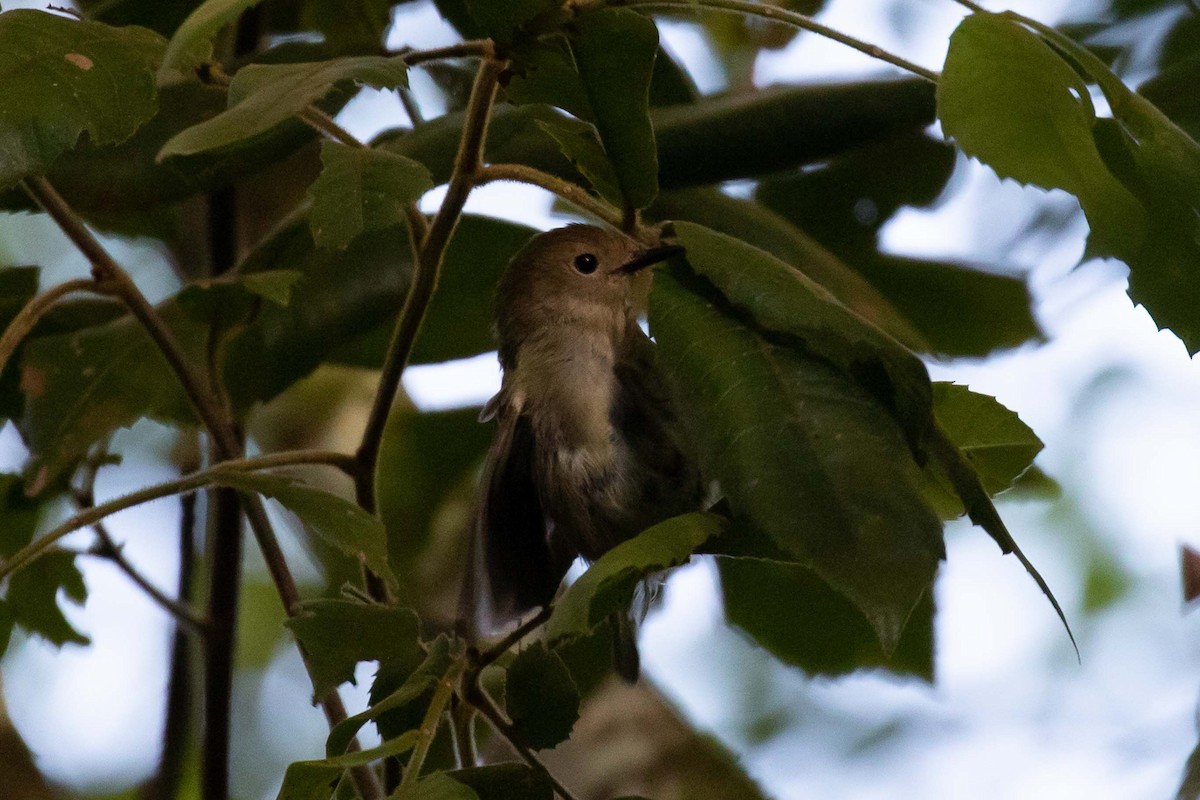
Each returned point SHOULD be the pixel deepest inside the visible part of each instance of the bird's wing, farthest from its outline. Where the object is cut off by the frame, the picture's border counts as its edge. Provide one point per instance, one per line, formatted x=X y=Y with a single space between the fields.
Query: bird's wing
x=517 y=563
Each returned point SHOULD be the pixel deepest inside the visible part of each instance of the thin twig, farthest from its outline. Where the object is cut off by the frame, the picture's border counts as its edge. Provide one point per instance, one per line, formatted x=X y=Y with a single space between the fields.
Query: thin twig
x=571 y=192
x=34 y=310
x=489 y=656
x=488 y=708
x=107 y=548
x=778 y=14
x=978 y=9
x=478 y=48
x=182 y=485
x=467 y=165
x=321 y=122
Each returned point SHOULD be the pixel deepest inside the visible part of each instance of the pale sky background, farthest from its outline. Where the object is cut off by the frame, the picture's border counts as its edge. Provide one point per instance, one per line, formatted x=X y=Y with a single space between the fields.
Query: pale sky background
x=1012 y=714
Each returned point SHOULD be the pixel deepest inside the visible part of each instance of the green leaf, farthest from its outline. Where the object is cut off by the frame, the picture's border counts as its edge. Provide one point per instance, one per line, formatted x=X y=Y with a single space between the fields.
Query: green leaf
x=543 y=71
x=362 y=189
x=274 y=285
x=1171 y=92
x=438 y=786
x=1008 y=99
x=614 y=51
x=458 y=322
x=579 y=144
x=60 y=77
x=338 y=522
x=18 y=285
x=262 y=96
x=608 y=585
x=540 y=697
x=844 y=202
x=103 y=182
x=337 y=634
x=410 y=486
x=801 y=452
x=502 y=19
x=1160 y=164
x=785 y=302
x=960 y=309
x=191 y=45
x=398 y=687
x=507 y=781
x=315 y=780
x=766 y=230
x=32 y=597
x=804 y=622
x=357 y=26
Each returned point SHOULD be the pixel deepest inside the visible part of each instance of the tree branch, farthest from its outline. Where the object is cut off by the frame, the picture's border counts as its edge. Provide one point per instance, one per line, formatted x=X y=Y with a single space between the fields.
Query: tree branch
x=467 y=166
x=182 y=485
x=34 y=310
x=777 y=14
x=571 y=192
x=488 y=708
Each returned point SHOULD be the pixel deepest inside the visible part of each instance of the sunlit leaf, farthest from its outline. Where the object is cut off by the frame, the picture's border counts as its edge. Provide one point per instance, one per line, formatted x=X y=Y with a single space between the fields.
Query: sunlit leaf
x=60 y=77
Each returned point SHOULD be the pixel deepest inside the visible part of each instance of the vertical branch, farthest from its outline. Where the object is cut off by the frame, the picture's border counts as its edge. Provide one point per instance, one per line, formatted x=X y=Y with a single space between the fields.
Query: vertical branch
x=468 y=165
x=165 y=783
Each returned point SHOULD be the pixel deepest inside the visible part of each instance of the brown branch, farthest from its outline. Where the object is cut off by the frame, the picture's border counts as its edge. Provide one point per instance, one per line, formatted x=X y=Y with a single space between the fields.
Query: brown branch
x=571 y=192
x=34 y=310
x=467 y=166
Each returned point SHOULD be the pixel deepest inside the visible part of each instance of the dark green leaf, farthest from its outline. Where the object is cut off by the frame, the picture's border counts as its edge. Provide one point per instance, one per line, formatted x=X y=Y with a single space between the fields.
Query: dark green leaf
x=608 y=585
x=766 y=230
x=338 y=634
x=802 y=453
x=338 y=522
x=1008 y=99
x=316 y=780
x=438 y=786
x=960 y=309
x=191 y=45
x=359 y=25
x=540 y=697
x=60 y=77
x=804 y=622
x=750 y=134
x=845 y=202
x=262 y=96
x=785 y=302
x=458 y=322
x=1171 y=91
x=579 y=144
x=18 y=515
x=400 y=694
x=508 y=781
x=614 y=51
x=502 y=19
x=163 y=16
x=32 y=597
x=543 y=71
x=410 y=486
x=105 y=181
x=995 y=440
x=360 y=190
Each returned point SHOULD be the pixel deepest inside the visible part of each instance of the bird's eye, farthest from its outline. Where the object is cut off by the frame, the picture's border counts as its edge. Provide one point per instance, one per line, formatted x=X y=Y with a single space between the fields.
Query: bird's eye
x=586 y=263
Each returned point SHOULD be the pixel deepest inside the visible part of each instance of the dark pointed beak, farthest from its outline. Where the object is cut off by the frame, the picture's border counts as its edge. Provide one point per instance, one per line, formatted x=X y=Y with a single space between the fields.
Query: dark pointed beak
x=648 y=258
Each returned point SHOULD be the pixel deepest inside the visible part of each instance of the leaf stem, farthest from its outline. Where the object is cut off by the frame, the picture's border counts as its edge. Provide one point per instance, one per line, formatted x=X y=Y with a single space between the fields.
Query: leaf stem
x=182 y=485
x=468 y=164
x=571 y=192
x=479 y=48
x=321 y=122
x=429 y=725
x=489 y=656
x=778 y=14
x=34 y=310
x=973 y=6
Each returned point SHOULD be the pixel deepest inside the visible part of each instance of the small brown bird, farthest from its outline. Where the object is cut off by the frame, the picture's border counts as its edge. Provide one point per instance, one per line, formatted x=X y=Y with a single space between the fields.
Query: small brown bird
x=588 y=451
